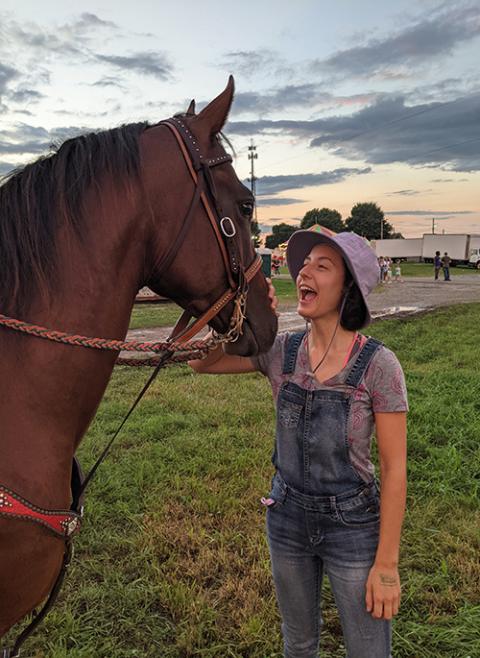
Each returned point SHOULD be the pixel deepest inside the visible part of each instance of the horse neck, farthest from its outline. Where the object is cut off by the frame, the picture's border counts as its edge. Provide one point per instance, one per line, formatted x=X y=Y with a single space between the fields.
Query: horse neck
x=48 y=391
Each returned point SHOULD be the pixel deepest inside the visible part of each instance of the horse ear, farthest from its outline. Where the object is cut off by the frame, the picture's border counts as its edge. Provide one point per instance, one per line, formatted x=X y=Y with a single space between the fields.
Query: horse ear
x=191 y=108
x=212 y=118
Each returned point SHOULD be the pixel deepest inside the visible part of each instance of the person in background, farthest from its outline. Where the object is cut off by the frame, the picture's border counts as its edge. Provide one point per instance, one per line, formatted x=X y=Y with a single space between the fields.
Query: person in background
x=326 y=513
x=446 y=260
x=398 y=272
x=437 y=264
x=381 y=265
x=388 y=273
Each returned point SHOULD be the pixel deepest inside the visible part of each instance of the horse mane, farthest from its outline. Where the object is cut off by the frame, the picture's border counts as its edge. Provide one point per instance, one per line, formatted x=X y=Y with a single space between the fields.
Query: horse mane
x=37 y=199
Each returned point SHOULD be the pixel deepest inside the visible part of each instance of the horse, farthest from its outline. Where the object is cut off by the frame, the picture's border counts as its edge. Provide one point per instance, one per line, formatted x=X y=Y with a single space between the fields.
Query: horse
x=81 y=231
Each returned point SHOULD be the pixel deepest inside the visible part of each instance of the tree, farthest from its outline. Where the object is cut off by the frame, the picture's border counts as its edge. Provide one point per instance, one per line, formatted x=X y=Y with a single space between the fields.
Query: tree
x=255 y=231
x=327 y=217
x=280 y=233
x=366 y=220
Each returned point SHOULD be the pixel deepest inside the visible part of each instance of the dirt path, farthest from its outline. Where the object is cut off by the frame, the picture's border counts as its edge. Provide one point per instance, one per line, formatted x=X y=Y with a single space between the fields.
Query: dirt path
x=414 y=295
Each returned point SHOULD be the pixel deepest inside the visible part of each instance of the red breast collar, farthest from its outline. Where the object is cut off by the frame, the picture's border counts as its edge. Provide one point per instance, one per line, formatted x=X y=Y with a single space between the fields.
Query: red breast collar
x=63 y=523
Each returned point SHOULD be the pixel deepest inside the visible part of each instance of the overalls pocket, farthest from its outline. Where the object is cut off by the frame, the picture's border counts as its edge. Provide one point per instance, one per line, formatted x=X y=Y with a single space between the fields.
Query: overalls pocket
x=289 y=413
x=366 y=513
x=277 y=494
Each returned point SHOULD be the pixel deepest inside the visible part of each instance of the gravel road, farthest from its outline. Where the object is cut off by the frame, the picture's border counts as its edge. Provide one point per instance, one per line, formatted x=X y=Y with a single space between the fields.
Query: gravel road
x=396 y=299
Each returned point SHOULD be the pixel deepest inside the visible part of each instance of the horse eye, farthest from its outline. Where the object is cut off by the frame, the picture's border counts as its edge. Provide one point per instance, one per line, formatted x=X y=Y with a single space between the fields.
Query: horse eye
x=246 y=208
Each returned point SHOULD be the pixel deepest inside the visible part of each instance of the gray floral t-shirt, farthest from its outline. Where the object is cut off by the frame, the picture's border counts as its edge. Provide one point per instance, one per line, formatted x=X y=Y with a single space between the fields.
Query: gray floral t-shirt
x=381 y=390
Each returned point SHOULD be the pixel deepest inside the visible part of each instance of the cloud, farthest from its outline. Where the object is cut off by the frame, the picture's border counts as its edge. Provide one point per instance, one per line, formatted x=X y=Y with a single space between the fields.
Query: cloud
x=24 y=139
x=308 y=96
x=434 y=134
x=277 y=201
x=7 y=73
x=251 y=62
x=445 y=135
x=449 y=180
x=430 y=213
x=89 y=21
x=400 y=54
x=109 y=81
x=25 y=96
x=73 y=42
x=6 y=167
x=407 y=192
x=35 y=140
x=147 y=63
x=267 y=185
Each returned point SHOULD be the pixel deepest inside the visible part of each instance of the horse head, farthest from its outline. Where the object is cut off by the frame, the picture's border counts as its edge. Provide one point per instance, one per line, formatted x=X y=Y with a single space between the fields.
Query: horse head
x=195 y=264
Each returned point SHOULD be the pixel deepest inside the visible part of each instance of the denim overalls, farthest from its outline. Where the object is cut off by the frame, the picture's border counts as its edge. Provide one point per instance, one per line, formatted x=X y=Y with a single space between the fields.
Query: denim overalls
x=325 y=517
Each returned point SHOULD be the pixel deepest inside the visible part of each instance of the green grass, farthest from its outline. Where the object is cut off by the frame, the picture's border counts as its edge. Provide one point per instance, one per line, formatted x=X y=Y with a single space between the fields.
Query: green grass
x=416 y=269
x=427 y=269
x=146 y=315
x=172 y=561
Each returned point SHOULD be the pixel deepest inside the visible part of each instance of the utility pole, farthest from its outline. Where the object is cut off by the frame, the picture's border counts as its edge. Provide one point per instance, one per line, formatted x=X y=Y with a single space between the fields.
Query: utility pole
x=252 y=156
x=381 y=228
x=433 y=225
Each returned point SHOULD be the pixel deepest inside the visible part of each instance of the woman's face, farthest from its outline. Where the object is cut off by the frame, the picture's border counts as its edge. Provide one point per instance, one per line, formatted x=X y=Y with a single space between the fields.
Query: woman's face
x=320 y=283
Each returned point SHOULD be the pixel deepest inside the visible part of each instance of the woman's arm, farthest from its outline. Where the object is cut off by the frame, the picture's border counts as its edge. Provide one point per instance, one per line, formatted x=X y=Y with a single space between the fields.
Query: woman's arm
x=219 y=363
x=383 y=585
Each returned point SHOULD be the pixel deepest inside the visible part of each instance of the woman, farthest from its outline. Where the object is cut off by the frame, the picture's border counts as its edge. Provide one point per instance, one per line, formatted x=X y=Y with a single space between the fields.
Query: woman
x=325 y=513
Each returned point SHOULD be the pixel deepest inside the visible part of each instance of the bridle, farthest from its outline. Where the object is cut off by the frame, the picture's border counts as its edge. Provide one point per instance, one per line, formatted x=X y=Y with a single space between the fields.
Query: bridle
x=225 y=231
x=65 y=523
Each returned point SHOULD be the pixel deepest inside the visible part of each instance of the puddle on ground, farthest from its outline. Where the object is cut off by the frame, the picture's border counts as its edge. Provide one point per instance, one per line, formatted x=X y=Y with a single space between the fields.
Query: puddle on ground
x=396 y=310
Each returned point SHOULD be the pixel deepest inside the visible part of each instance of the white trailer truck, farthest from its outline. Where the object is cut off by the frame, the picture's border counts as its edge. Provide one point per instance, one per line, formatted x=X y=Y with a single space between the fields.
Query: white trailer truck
x=474 y=251
x=403 y=248
x=457 y=245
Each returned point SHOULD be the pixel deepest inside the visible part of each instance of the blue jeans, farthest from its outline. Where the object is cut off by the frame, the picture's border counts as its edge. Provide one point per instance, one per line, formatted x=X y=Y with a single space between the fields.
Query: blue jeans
x=446 y=273
x=304 y=545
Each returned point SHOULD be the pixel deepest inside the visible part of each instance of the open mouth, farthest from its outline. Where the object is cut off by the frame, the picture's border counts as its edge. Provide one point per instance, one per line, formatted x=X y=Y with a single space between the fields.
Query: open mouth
x=307 y=294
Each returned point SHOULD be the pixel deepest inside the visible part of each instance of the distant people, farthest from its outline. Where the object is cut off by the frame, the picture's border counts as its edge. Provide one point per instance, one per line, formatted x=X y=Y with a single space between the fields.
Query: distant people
x=398 y=272
x=275 y=265
x=446 y=260
x=382 y=263
x=388 y=273
x=437 y=264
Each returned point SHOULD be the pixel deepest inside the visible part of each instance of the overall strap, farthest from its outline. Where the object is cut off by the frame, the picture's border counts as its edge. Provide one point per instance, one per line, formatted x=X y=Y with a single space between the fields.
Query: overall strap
x=291 y=351
x=362 y=362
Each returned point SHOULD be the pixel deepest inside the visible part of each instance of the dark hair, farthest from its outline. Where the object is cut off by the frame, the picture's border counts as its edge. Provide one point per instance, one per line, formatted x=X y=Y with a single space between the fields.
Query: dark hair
x=354 y=312
x=36 y=200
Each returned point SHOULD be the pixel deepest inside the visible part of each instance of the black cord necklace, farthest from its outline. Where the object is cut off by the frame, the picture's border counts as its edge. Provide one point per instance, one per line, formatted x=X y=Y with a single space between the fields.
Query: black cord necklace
x=332 y=338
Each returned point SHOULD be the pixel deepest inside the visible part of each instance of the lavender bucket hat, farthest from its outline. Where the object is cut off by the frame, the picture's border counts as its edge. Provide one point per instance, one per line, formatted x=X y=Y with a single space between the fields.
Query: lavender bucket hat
x=358 y=255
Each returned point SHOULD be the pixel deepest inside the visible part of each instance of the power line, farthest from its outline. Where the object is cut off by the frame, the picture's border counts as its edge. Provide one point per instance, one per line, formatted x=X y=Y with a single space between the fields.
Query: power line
x=252 y=156
x=450 y=146
x=392 y=122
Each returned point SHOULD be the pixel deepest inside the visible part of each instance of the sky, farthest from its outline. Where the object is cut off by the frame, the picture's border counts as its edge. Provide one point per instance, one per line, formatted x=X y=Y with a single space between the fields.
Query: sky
x=346 y=101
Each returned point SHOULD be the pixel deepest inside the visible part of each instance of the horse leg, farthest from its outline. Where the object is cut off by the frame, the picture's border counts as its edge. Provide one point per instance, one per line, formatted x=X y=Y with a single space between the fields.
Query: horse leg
x=30 y=559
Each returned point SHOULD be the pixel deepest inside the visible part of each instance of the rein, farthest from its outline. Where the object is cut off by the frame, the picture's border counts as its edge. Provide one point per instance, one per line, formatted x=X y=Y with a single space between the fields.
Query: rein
x=178 y=346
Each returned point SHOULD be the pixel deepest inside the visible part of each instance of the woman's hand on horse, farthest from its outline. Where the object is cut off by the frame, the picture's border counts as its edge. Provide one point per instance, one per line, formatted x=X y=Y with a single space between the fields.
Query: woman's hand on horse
x=219 y=363
x=272 y=296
